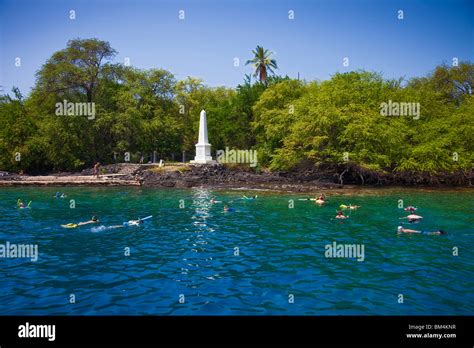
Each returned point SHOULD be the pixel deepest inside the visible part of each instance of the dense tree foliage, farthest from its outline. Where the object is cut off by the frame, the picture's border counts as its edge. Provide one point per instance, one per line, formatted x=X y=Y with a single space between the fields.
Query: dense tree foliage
x=337 y=122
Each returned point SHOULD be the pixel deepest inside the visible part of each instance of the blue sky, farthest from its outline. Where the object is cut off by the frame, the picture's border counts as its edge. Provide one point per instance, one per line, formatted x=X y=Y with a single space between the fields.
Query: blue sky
x=205 y=43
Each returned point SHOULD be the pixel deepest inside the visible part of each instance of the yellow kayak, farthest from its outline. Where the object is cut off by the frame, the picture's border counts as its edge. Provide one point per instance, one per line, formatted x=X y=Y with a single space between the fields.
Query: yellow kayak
x=70 y=225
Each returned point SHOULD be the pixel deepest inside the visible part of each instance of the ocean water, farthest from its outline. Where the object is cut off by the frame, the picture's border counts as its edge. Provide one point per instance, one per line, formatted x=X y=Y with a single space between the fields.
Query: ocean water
x=263 y=258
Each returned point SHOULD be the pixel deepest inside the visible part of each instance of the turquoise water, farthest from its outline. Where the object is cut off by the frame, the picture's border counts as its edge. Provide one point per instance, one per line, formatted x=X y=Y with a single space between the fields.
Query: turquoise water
x=192 y=251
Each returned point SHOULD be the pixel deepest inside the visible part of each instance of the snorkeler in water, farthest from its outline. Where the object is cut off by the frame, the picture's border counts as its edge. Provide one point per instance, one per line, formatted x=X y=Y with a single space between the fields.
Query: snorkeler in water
x=22 y=205
x=340 y=215
x=133 y=223
x=350 y=206
x=93 y=220
x=413 y=218
x=137 y=222
x=400 y=229
x=251 y=197
x=321 y=199
x=228 y=209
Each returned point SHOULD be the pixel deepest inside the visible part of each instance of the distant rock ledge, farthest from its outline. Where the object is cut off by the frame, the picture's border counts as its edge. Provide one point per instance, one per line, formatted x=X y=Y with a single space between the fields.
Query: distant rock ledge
x=175 y=175
x=180 y=175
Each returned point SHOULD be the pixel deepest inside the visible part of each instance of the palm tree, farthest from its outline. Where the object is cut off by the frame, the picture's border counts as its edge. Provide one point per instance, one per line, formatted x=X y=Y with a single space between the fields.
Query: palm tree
x=262 y=63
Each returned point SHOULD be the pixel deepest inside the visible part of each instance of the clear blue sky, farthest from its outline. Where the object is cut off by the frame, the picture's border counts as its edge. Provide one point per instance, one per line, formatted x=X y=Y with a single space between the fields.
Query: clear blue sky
x=214 y=32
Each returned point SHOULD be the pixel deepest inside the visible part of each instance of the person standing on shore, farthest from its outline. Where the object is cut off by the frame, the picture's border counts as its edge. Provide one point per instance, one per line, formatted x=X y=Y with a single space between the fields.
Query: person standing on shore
x=97 y=169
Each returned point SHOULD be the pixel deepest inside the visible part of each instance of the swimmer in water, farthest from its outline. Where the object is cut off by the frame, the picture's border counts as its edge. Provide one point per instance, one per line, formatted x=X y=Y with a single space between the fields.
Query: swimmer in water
x=137 y=222
x=321 y=199
x=134 y=222
x=350 y=206
x=340 y=215
x=410 y=208
x=227 y=208
x=93 y=220
x=413 y=218
x=213 y=201
x=60 y=195
x=22 y=205
x=252 y=197
x=400 y=229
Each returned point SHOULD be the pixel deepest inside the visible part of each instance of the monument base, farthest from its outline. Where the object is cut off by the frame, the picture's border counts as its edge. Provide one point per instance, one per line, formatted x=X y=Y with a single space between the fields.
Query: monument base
x=203 y=154
x=203 y=161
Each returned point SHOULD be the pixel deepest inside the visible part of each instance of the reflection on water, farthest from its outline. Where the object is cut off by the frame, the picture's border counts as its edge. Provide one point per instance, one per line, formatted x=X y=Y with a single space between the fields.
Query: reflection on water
x=202 y=208
x=198 y=258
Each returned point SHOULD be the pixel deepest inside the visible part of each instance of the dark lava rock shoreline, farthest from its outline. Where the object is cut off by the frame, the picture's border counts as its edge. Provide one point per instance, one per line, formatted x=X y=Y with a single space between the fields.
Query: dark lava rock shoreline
x=218 y=176
x=302 y=179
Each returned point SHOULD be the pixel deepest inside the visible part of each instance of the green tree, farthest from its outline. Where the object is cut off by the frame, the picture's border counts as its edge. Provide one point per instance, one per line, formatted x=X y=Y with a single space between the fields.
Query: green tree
x=76 y=69
x=274 y=116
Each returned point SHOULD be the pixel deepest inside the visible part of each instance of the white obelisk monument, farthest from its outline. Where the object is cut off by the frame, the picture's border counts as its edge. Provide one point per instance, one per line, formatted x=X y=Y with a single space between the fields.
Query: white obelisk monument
x=203 y=148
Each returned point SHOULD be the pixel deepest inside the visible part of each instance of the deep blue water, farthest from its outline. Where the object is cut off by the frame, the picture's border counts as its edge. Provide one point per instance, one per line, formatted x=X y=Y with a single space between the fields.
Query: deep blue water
x=190 y=251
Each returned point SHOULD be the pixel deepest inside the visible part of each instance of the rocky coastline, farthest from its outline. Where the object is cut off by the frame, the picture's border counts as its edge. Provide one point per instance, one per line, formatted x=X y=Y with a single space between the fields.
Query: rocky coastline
x=214 y=176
